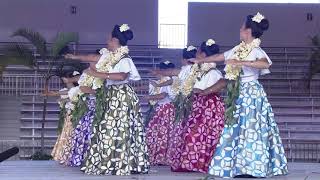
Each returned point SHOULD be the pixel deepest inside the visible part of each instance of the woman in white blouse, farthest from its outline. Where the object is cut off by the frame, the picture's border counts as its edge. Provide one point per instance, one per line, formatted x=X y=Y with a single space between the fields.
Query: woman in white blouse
x=252 y=145
x=204 y=124
x=118 y=144
x=160 y=124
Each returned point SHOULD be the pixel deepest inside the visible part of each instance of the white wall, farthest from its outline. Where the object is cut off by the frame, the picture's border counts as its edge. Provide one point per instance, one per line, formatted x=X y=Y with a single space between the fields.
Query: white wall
x=221 y=21
x=94 y=18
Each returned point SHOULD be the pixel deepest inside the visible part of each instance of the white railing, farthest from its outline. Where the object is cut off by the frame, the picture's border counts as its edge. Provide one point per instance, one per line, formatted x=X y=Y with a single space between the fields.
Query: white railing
x=17 y=84
x=172 y=36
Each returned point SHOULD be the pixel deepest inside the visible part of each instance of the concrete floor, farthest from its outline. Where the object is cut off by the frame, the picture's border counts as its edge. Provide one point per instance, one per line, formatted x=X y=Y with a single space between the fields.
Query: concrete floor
x=50 y=170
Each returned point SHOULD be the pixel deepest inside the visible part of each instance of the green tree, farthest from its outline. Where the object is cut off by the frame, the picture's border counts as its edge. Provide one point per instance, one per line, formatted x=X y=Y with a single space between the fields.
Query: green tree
x=19 y=54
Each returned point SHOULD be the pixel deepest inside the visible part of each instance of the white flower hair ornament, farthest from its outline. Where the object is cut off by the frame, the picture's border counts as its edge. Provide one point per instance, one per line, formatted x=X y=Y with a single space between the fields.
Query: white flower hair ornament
x=75 y=73
x=258 y=18
x=167 y=62
x=124 y=28
x=191 y=48
x=210 y=42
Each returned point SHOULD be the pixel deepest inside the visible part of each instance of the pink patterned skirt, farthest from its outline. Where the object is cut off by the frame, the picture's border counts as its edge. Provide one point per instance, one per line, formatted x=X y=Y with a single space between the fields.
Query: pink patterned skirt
x=158 y=132
x=195 y=140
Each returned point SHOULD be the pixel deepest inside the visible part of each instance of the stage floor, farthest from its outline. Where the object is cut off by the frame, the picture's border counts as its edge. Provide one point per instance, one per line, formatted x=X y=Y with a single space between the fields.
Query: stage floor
x=50 y=170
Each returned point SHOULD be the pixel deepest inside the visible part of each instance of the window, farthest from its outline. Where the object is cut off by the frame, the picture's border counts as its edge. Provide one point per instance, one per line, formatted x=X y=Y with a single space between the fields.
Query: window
x=173 y=19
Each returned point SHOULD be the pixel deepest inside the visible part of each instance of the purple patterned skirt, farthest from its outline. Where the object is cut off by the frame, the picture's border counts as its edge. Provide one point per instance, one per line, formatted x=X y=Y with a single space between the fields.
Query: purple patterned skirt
x=81 y=136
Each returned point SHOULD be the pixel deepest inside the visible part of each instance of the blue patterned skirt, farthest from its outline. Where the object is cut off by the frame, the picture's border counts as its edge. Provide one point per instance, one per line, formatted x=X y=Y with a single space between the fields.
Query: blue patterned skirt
x=252 y=146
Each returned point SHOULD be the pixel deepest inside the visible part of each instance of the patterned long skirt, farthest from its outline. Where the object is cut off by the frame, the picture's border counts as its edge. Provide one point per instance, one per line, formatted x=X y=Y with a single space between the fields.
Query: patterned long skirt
x=201 y=133
x=118 y=145
x=81 y=136
x=61 y=149
x=253 y=145
x=176 y=142
x=158 y=132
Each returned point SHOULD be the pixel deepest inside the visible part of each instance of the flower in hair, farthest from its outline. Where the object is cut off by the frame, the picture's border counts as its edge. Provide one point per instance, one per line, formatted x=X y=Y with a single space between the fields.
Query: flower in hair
x=124 y=27
x=257 y=18
x=190 y=48
x=210 y=42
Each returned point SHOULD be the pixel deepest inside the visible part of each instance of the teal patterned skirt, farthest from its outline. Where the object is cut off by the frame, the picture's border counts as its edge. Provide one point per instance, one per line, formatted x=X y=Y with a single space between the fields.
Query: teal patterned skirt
x=252 y=146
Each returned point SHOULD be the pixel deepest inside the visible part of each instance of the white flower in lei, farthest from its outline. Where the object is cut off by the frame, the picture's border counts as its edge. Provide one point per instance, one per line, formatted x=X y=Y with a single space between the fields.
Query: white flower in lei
x=63 y=96
x=207 y=66
x=241 y=53
x=104 y=65
x=258 y=18
x=156 y=90
x=186 y=86
x=190 y=81
x=176 y=86
x=70 y=107
x=74 y=93
x=85 y=80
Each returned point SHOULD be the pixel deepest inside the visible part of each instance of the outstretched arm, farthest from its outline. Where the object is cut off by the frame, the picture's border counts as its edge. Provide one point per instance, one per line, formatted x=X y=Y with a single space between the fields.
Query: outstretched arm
x=70 y=80
x=112 y=76
x=209 y=59
x=166 y=83
x=259 y=64
x=169 y=72
x=85 y=58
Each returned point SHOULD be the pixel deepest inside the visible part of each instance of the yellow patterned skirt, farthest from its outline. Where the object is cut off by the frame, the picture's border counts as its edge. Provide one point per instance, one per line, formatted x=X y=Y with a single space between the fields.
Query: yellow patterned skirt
x=61 y=149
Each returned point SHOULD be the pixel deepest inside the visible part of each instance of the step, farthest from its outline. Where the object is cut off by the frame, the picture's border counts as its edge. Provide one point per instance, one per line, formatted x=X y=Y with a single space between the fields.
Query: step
x=38 y=128
x=38 y=137
x=30 y=119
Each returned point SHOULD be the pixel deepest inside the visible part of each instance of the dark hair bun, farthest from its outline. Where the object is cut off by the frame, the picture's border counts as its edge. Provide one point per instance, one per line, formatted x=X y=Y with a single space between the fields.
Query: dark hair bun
x=123 y=37
x=165 y=65
x=209 y=50
x=171 y=66
x=128 y=35
x=264 y=24
x=256 y=28
x=189 y=54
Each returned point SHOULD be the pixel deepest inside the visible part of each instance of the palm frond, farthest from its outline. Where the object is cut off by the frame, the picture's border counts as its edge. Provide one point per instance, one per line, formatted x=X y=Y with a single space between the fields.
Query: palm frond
x=16 y=54
x=35 y=38
x=60 y=45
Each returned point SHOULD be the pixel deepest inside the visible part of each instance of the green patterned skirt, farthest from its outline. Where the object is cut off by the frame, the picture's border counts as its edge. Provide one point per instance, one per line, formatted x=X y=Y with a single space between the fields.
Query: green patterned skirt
x=118 y=145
